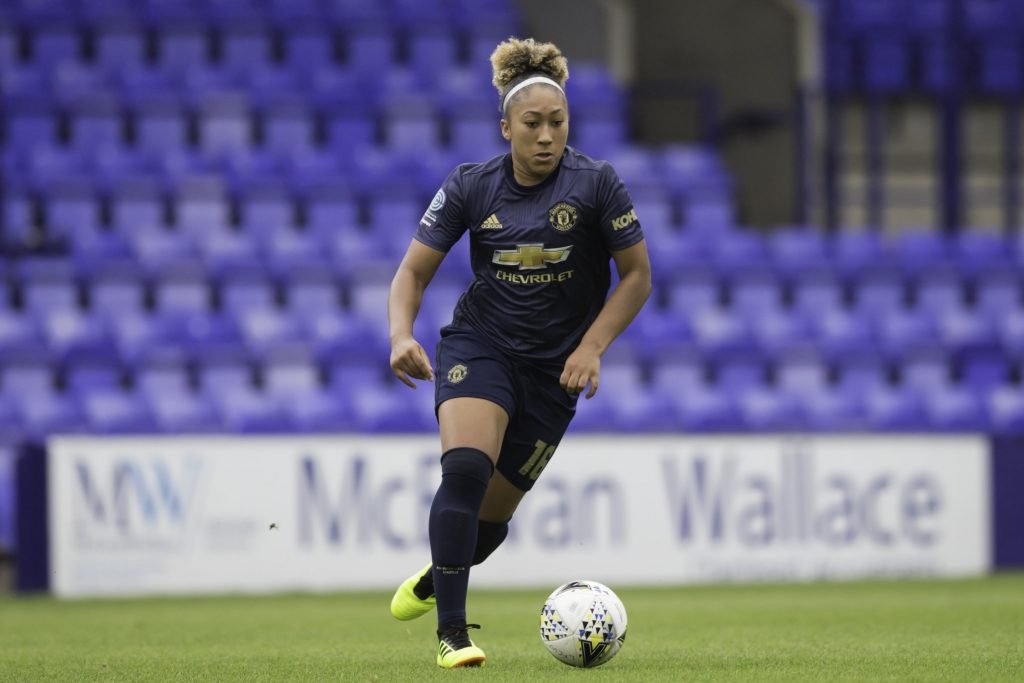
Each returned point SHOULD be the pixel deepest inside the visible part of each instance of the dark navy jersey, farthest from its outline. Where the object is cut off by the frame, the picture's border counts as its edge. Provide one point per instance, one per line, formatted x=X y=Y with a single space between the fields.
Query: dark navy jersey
x=540 y=254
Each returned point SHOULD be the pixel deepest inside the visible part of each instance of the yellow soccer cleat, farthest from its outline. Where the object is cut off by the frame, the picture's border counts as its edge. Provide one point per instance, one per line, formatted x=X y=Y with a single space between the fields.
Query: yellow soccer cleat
x=405 y=604
x=456 y=650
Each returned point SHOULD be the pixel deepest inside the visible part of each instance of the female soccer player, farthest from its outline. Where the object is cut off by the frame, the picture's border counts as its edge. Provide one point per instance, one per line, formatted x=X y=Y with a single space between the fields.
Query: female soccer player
x=527 y=336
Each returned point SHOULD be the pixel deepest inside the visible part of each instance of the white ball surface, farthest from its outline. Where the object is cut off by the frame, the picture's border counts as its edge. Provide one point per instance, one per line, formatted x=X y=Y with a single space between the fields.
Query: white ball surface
x=583 y=623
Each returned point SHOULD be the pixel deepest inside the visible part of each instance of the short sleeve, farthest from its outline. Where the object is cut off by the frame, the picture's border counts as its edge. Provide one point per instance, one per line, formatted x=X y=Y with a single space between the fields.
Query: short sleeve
x=443 y=222
x=620 y=227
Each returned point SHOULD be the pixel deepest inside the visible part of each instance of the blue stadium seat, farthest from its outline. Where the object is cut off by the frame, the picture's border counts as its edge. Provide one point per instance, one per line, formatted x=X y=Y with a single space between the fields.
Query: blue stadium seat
x=915 y=249
x=26 y=372
x=347 y=127
x=136 y=204
x=290 y=371
x=925 y=370
x=878 y=291
x=392 y=408
x=475 y=130
x=46 y=413
x=96 y=123
x=765 y=409
x=887 y=63
x=655 y=329
x=815 y=292
x=852 y=251
x=88 y=372
x=773 y=329
x=55 y=42
x=246 y=411
x=675 y=369
x=705 y=409
x=311 y=291
x=754 y=290
x=182 y=412
x=201 y=204
x=265 y=207
x=70 y=330
x=136 y=333
x=892 y=409
x=1000 y=65
x=221 y=369
x=901 y=328
x=738 y=249
x=411 y=126
x=693 y=290
x=955 y=410
x=433 y=50
x=1005 y=408
x=161 y=123
x=797 y=249
x=201 y=332
x=983 y=370
x=263 y=329
x=118 y=43
x=182 y=45
x=978 y=251
x=371 y=49
x=337 y=334
x=245 y=45
x=181 y=287
x=244 y=287
x=997 y=293
x=288 y=127
x=962 y=329
x=287 y=249
x=840 y=331
x=162 y=370
x=47 y=285
x=308 y=47
x=223 y=249
x=319 y=412
x=71 y=208
x=224 y=125
x=938 y=290
x=156 y=249
x=861 y=372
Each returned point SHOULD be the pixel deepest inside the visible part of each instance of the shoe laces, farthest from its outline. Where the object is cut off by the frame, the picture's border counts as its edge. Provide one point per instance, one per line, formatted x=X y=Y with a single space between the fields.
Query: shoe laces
x=456 y=636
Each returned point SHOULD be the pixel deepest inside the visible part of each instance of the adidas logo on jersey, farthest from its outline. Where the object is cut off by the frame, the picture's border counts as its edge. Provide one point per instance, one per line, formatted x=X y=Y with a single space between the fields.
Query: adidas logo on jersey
x=491 y=223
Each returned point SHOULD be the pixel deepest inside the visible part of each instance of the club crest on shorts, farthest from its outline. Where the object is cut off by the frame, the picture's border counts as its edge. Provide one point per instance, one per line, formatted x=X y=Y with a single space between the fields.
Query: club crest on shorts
x=562 y=216
x=457 y=373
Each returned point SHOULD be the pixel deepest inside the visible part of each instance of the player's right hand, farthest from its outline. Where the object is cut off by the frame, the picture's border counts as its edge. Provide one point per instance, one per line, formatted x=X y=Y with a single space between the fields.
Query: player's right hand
x=409 y=361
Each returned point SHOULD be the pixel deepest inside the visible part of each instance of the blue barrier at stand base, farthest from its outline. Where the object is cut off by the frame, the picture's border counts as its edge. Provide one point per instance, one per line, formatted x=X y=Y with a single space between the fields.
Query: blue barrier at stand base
x=32 y=533
x=1008 y=502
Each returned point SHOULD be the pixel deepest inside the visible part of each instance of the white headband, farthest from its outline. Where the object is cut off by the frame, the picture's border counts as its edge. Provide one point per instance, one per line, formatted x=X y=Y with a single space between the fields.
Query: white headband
x=529 y=81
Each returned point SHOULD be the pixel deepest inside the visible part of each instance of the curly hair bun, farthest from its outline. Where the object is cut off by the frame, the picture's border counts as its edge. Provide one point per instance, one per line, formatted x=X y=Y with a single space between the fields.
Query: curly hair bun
x=515 y=59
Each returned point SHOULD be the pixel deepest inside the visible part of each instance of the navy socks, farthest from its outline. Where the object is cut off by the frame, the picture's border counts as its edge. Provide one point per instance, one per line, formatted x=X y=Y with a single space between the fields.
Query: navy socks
x=453 y=527
x=489 y=535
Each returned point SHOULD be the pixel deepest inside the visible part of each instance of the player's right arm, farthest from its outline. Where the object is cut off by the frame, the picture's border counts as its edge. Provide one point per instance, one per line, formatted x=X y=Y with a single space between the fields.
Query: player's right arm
x=408 y=359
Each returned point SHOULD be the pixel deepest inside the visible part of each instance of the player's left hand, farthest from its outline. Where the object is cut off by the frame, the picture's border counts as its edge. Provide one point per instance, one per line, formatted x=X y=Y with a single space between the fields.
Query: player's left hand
x=581 y=368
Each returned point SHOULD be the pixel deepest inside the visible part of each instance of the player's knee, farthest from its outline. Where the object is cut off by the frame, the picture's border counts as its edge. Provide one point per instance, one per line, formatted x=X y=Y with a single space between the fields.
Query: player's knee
x=471 y=463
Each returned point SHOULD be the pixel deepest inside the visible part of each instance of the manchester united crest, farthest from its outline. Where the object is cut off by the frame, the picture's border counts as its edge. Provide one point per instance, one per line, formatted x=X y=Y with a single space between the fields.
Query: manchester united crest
x=457 y=373
x=562 y=217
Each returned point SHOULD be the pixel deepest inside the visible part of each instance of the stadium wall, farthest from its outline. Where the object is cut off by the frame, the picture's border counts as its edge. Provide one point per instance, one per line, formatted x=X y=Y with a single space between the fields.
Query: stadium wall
x=182 y=515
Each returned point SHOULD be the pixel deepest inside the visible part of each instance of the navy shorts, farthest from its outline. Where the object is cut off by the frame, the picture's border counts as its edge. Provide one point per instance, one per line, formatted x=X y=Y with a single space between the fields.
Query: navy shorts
x=539 y=409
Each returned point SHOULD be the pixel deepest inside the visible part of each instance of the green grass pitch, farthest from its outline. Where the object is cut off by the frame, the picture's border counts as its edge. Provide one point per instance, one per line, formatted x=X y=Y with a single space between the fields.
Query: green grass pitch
x=898 y=631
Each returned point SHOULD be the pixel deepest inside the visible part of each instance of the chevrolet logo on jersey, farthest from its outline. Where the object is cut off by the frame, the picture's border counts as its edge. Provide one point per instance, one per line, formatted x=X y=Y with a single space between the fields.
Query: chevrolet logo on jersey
x=530 y=256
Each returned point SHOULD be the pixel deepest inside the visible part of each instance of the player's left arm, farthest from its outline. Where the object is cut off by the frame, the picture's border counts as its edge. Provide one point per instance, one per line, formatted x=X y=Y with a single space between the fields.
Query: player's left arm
x=584 y=365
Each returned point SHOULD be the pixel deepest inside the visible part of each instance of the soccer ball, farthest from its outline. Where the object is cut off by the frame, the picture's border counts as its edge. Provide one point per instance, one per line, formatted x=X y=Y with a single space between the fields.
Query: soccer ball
x=583 y=623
